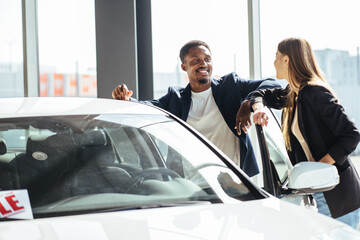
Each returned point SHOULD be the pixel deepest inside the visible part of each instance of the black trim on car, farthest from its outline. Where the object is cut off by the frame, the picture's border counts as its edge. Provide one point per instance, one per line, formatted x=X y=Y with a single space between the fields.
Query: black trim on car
x=268 y=169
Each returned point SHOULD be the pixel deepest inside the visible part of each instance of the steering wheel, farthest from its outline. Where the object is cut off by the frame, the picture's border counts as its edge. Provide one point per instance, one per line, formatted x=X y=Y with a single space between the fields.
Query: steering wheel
x=148 y=172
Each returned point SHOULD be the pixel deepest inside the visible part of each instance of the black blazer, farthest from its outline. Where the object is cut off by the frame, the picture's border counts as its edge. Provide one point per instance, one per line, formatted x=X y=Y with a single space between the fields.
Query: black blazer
x=229 y=92
x=326 y=129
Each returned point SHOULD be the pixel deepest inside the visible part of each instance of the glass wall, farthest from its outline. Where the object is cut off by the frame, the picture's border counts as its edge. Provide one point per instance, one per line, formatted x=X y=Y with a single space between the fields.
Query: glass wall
x=331 y=27
x=11 y=49
x=221 y=24
x=67 y=48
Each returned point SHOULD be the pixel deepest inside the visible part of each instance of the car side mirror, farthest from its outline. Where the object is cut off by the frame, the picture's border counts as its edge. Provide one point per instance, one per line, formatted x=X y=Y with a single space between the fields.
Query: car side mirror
x=312 y=177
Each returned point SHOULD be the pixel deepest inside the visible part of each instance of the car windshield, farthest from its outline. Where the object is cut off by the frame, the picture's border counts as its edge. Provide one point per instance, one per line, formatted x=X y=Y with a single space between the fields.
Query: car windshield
x=93 y=163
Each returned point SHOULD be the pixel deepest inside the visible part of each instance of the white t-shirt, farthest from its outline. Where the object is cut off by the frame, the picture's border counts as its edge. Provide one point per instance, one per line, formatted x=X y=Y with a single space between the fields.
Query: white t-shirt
x=206 y=118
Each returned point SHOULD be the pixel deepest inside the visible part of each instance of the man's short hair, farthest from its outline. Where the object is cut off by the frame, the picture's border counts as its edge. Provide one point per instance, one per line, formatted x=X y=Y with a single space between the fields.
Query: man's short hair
x=185 y=49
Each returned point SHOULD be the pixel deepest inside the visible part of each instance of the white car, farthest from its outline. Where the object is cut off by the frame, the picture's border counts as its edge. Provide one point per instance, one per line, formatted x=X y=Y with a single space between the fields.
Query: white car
x=86 y=168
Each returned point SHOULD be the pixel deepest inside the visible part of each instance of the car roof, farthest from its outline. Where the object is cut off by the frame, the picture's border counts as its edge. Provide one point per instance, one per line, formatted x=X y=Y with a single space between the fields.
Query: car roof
x=55 y=106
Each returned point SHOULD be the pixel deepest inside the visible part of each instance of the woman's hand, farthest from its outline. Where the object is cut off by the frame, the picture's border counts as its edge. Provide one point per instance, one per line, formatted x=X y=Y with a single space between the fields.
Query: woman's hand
x=327 y=159
x=259 y=116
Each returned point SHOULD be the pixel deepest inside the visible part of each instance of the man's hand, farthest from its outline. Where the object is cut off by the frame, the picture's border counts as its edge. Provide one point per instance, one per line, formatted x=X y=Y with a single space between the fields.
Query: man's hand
x=243 y=117
x=121 y=92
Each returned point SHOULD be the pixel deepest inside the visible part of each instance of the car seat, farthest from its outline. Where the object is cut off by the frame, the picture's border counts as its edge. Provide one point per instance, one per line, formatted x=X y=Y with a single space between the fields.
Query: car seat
x=97 y=173
x=46 y=159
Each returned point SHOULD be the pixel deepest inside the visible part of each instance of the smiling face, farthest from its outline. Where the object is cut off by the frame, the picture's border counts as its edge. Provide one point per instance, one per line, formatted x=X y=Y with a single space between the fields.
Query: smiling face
x=198 y=65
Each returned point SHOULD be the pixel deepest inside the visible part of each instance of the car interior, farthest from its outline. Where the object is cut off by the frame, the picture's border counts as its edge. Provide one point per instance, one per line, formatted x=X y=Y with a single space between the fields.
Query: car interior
x=56 y=162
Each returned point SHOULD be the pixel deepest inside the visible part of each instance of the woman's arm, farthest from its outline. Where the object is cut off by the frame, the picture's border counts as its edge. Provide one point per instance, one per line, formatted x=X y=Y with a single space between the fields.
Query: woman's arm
x=272 y=98
x=332 y=114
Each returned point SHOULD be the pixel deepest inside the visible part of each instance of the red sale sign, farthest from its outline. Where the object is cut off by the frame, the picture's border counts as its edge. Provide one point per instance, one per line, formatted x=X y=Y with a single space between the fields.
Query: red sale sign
x=15 y=204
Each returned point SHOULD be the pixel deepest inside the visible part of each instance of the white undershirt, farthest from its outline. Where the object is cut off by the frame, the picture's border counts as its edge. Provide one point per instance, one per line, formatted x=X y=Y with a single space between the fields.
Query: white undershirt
x=206 y=118
x=296 y=131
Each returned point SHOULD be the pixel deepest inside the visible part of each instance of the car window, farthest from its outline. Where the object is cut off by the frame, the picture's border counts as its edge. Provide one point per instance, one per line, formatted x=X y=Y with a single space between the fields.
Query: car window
x=16 y=139
x=276 y=146
x=277 y=150
x=80 y=164
x=187 y=159
x=123 y=145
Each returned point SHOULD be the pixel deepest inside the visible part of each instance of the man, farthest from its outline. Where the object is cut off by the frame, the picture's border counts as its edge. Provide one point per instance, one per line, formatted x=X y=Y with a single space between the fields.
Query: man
x=211 y=105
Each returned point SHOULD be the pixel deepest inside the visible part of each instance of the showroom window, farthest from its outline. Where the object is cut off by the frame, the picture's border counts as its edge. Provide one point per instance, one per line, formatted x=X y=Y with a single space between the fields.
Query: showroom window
x=331 y=28
x=11 y=49
x=67 y=48
x=221 y=24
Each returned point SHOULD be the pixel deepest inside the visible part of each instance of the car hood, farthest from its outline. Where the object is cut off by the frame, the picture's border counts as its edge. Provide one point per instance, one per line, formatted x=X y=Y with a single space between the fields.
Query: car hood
x=261 y=219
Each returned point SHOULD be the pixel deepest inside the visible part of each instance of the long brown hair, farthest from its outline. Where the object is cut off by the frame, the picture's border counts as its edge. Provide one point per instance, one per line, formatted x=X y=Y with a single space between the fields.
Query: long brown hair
x=303 y=70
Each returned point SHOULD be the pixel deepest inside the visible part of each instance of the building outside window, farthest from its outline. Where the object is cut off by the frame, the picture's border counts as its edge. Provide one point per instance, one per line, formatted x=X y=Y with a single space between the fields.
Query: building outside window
x=67 y=48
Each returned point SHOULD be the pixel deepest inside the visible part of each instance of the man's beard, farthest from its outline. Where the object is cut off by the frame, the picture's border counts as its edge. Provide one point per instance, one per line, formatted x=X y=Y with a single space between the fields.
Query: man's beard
x=203 y=81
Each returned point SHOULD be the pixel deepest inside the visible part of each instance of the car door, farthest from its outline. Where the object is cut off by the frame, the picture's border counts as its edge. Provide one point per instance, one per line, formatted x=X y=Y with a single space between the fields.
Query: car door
x=274 y=163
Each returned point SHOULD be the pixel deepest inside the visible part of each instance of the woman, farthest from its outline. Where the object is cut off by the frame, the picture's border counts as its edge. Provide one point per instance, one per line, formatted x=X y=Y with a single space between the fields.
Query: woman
x=314 y=125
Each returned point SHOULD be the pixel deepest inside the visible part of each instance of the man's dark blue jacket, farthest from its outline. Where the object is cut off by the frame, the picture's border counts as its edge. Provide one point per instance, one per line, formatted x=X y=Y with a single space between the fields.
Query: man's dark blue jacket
x=229 y=92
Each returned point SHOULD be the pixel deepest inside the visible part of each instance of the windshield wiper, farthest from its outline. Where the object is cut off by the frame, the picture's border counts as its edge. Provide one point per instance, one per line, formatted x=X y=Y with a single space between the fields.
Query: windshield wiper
x=156 y=205
x=118 y=208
